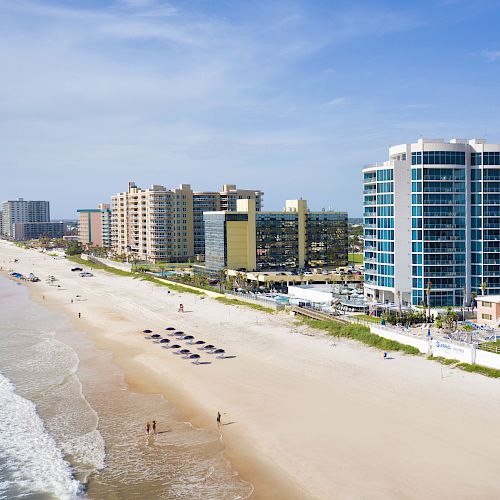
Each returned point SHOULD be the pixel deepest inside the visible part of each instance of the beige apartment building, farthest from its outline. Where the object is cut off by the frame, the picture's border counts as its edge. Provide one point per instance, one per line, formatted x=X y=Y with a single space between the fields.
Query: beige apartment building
x=488 y=310
x=153 y=224
x=159 y=224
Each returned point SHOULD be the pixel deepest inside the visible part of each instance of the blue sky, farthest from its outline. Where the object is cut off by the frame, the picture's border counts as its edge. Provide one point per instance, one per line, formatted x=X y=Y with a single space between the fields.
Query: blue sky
x=291 y=97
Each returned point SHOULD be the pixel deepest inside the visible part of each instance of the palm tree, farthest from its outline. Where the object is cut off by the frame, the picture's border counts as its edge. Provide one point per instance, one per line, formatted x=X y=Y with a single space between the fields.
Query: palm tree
x=483 y=287
x=398 y=295
x=428 y=292
x=473 y=300
x=464 y=303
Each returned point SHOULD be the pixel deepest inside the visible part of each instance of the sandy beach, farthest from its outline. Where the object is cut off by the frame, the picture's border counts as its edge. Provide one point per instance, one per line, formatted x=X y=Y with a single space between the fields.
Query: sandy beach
x=304 y=415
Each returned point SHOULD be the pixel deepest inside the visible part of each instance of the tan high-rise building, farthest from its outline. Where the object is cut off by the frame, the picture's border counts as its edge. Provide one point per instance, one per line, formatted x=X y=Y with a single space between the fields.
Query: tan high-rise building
x=292 y=239
x=213 y=201
x=153 y=224
x=158 y=224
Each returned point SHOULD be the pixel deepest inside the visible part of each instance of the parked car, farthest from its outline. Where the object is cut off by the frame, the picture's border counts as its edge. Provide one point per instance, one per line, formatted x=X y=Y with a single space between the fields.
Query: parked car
x=86 y=274
x=76 y=269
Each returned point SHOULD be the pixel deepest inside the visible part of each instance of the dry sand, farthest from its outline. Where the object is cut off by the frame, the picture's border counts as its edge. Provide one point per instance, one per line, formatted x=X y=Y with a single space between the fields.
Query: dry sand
x=305 y=416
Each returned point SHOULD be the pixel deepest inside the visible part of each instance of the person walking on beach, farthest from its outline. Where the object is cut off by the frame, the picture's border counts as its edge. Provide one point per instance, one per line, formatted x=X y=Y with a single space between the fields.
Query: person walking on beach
x=181 y=308
x=154 y=426
x=218 y=418
x=79 y=315
x=148 y=427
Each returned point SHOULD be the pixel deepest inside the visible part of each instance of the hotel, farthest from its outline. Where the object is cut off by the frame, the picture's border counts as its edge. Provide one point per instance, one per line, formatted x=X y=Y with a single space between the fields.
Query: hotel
x=431 y=221
x=294 y=239
x=20 y=211
x=94 y=227
x=159 y=224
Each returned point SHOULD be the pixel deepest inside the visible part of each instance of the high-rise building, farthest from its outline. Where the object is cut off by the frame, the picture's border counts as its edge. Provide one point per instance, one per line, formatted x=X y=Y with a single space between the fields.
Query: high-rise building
x=431 y=222
x=20 y=211
x=289 y=240
x=167 y=224
x=153 y=224
x=95 y=226
x=212 y=201
x=22 y=231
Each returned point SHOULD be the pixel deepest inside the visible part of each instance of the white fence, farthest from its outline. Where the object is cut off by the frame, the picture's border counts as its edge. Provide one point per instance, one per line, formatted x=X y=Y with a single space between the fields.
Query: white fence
x=466 y=353
x=486 y=358
x=389 y=333
x=461 y=351
x=122 y=266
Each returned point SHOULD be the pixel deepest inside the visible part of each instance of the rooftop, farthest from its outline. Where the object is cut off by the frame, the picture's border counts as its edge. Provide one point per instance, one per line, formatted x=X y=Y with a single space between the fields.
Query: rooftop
x=489 y=298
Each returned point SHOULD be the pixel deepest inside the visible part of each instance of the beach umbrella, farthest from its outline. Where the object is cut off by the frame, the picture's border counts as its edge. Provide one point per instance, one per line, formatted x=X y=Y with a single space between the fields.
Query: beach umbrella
x=164 y=341
x=170 y=328
x=194 y=356
x=147 y=331
x=156 y=336
x=188 y=337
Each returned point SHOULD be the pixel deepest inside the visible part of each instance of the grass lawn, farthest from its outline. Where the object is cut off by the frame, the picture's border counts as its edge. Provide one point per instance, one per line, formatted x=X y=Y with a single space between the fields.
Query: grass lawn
x=236 y=302
x=355 y=258
x=96 y=265
x=360 y=333
x=366 y=317
x=466 y=367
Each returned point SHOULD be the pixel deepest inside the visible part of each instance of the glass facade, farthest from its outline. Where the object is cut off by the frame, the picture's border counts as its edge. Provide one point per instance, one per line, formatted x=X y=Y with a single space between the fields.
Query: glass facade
x=485 y=223
x=455 y=222
x=215 y=241
x=277 y=240
x=378 y=220
x=326 y=239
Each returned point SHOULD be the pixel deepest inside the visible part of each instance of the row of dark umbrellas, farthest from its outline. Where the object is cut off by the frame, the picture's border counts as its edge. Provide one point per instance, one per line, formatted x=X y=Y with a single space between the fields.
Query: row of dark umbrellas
x=179 y=335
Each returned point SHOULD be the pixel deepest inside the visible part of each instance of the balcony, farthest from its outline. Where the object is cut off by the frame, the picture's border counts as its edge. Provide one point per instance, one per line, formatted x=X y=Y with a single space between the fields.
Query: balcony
x=444 y=238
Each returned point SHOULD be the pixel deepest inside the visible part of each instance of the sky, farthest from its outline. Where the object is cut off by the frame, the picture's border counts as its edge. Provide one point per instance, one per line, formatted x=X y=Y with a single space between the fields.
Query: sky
x=290 y=97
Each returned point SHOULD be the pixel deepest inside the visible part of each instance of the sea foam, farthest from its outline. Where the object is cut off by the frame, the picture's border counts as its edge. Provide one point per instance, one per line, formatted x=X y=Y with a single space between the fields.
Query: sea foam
x=31 y=460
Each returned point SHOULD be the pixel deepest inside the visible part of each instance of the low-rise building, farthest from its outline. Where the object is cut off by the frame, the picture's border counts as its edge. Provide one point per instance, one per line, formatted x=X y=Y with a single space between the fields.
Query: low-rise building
x=292 y=239
x=488 y=310
x=95 y=226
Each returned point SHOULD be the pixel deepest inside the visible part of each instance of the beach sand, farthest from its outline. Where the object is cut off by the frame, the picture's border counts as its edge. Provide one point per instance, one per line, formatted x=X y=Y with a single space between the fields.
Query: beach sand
x=304 y=415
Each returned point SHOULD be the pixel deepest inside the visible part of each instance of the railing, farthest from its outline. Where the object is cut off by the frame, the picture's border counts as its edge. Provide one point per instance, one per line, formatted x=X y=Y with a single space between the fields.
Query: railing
x=257 y=299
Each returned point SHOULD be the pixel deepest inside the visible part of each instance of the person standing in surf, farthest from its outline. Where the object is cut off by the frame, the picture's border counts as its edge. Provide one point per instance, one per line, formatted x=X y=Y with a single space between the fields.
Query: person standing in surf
x=148 y=427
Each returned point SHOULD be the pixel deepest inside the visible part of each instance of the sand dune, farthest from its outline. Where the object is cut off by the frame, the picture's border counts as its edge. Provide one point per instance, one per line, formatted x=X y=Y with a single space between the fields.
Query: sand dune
x=308 y=416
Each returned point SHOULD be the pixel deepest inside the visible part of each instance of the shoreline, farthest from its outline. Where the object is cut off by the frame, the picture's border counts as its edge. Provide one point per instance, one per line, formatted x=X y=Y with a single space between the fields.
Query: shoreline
x=266 y=480
x=314 y=417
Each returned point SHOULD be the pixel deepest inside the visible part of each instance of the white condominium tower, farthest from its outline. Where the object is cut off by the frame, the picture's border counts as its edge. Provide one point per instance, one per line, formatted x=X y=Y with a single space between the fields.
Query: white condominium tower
x=23 y=211
x=432 y=220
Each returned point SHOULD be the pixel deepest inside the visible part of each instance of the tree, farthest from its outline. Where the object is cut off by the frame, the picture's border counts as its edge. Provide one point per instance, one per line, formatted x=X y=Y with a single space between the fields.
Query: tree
x=74 y=248
x=473 y=301
x=483 y=287
x=428 y=295
x=450 y=319
x=398 y=295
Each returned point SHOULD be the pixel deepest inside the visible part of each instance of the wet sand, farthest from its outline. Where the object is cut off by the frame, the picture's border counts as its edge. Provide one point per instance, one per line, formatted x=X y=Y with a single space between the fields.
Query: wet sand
x=308 y=417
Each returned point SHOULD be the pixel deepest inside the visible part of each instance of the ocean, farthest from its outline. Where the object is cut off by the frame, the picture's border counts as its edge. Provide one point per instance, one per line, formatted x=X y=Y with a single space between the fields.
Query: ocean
x=71 y=428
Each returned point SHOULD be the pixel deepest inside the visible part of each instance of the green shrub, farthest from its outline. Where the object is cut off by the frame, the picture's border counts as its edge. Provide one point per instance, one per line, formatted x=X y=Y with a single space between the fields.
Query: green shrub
x=236 y=302
x=360 y=333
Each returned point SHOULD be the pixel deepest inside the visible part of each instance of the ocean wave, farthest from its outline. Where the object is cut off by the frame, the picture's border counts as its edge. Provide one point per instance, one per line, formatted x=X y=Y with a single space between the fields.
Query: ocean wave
x=31 y=460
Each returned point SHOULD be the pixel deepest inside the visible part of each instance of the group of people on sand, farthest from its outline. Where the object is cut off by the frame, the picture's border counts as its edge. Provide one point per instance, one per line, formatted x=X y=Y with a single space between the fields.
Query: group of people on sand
x=151 y=427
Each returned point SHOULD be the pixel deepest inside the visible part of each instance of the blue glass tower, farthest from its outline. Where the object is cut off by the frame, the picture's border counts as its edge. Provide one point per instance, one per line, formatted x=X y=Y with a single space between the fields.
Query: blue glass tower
x=431 y=222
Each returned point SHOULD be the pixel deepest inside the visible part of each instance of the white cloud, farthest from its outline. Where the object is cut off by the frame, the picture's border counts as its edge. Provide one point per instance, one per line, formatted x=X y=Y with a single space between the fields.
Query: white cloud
x=491 y=55
x=337 y=102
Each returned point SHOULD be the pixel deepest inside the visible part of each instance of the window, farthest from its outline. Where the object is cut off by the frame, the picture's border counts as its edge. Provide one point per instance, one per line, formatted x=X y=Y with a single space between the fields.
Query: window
x=486 y=304
x=486 y=316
